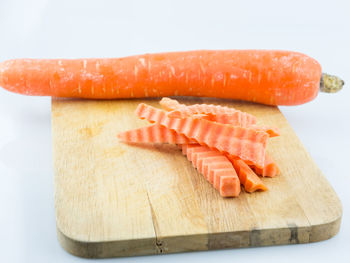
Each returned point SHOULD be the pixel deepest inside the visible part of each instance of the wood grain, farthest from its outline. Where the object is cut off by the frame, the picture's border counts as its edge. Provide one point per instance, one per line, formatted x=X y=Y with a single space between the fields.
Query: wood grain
x=114 y=199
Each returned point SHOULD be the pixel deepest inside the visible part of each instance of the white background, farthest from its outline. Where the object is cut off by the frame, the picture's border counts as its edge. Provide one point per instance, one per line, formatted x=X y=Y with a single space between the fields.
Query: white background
x=49 y=29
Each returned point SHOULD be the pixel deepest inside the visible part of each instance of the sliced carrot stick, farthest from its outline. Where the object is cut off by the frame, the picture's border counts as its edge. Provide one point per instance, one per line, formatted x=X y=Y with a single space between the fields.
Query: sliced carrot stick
x=248 y=178
x=216 y=113
x=153 y=134
x=220 y=172
x=212 y=161
x=270 y=168
x=245 y=143
x=237 y=118
x=152 y=114
x=172 y=105
x=194 y=152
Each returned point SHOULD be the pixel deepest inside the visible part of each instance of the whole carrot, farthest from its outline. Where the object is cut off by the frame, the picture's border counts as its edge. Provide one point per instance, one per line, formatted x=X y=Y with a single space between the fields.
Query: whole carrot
x=266 y=76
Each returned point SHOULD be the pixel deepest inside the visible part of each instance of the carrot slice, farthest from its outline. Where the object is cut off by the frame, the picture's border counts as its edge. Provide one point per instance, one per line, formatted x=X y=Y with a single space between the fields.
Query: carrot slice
x=209 y=163
x=270 y=168
x=198 y=151
x=220 y=172
x=236 y=118
x=245 y=143
x=216 y=113
x=248 y=178
x=153 y=134
x=224 y=115
x=172 y=105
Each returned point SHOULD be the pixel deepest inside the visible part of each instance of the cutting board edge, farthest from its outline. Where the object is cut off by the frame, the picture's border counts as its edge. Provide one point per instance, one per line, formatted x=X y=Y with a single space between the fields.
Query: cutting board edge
x=223 y=240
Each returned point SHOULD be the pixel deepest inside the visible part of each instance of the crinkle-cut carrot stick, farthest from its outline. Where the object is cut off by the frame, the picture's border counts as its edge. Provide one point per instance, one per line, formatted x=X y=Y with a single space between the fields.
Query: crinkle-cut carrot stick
x=233 y=119
x=245 y=143
x=248 y=178
x=270 y=168
x=237 y=118
x=213 y=161
x=172 y=105
x=216 y=113
x=152 y=114
x=153 y=134
x=215 y=167
x=224 y=115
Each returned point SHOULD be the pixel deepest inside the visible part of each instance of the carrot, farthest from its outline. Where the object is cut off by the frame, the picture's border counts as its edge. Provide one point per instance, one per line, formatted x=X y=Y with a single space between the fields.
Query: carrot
x=215 y=167
x=153 y=134
x=244 y=143
x=216 y=113
x=271 y=77
x=248 y=178
x=232 y=118
x=172 y=105
x=270 y=168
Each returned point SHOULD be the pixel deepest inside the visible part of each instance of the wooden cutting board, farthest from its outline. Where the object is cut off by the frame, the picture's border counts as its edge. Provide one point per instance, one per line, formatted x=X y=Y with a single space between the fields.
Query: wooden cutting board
x=114 y=199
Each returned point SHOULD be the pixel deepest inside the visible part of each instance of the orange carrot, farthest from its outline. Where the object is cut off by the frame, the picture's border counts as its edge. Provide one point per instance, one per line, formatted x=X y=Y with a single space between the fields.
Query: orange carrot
x=245 y=143
x=215 y=167
x=153 y=134
x=266 y=76
x=270 y=168
x=248 y=178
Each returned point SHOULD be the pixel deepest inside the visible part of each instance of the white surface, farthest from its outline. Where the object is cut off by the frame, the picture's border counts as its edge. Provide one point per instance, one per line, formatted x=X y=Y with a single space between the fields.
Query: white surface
x=43 y=28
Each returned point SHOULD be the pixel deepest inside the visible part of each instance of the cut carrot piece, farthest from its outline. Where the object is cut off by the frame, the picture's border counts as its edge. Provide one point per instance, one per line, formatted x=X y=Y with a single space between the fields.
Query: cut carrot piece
x=224 y=172
x=200 y=156
x=248 y=178
x=223 y=176
x=216 y=113
x=208 y=163
x=152 y=114
x=271 y=131
x=224 y=115
x=237 y=118
x=228 y=185
x=212 y=169
x=270 y=168
x=170 y=104
x=153 y=134
x=245 y=143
